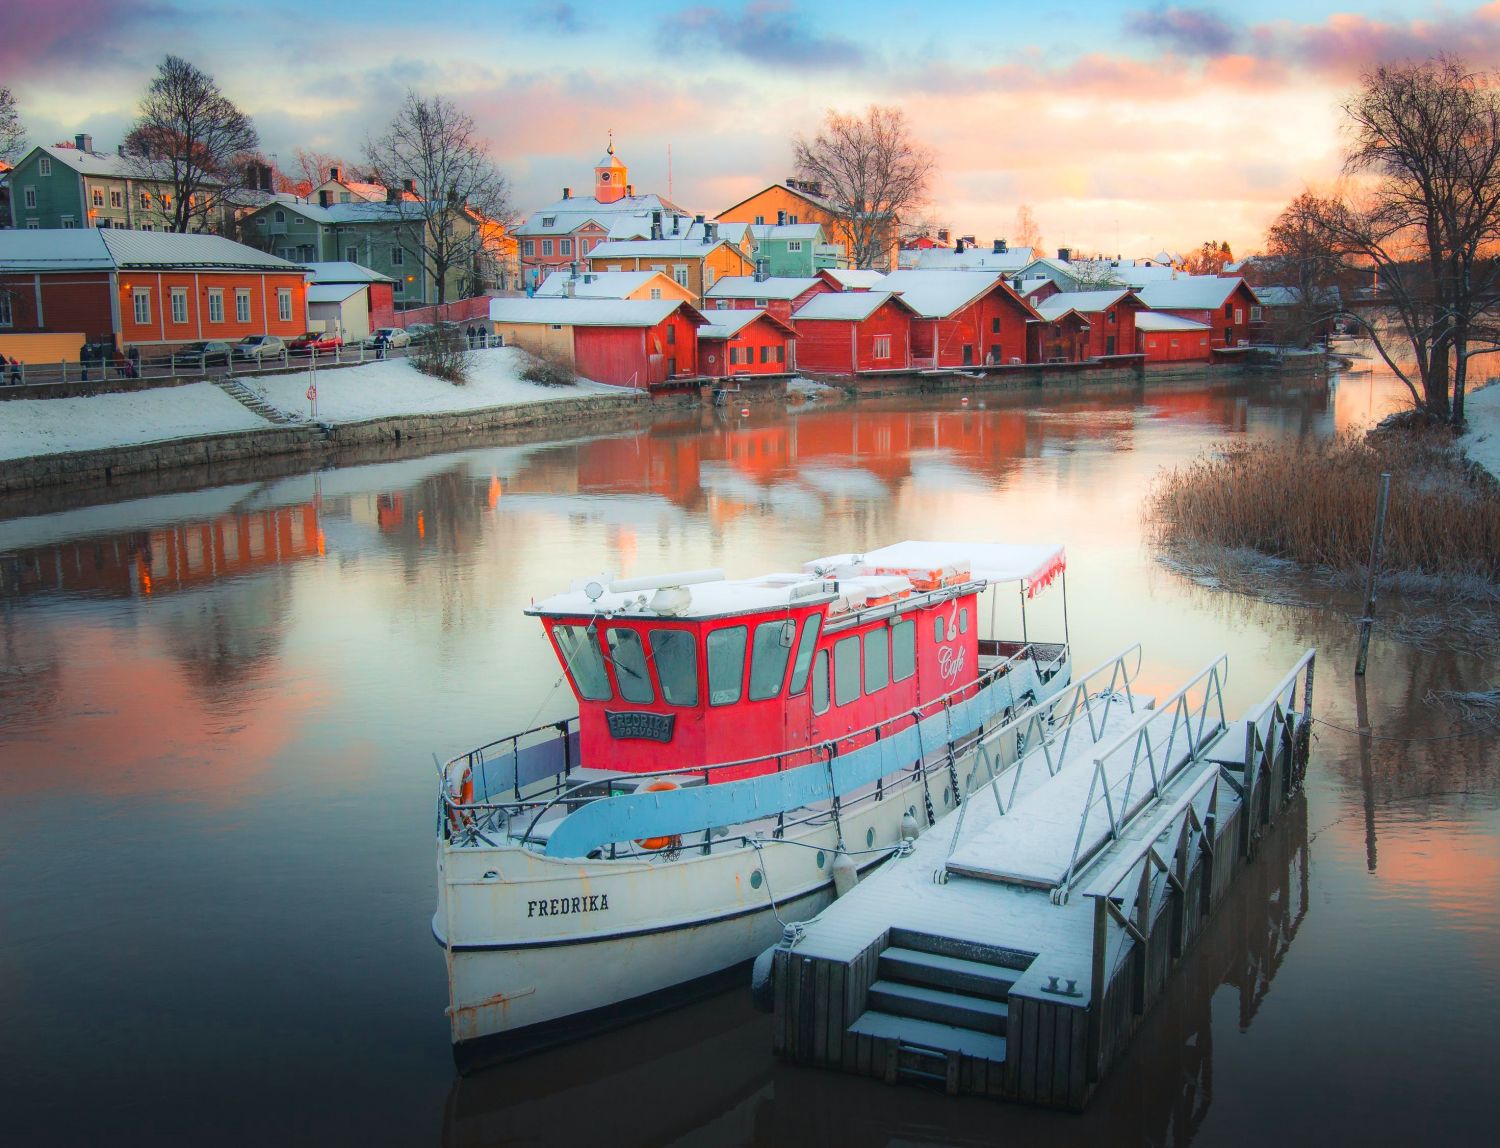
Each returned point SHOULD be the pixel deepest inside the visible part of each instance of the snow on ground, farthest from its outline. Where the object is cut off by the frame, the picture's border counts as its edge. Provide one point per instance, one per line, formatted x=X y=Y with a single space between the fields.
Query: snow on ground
x=55 y=426
x=1482 y=411
x=809 y=387
x=395 y=387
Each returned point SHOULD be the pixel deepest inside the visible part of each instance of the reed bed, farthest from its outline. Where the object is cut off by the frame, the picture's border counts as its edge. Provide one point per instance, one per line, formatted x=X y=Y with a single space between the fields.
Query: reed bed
x=1312 y=501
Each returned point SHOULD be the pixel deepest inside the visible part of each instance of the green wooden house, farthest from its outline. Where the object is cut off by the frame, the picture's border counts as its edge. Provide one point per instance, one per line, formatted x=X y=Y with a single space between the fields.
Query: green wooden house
x=795 y=249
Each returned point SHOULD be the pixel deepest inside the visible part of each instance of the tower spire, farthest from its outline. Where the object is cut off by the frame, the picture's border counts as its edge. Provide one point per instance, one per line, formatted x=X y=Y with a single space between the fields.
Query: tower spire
x=611 y=149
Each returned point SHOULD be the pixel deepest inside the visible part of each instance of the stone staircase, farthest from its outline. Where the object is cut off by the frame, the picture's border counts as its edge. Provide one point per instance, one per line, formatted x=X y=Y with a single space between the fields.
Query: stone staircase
x=937 y=999
x=248 y=399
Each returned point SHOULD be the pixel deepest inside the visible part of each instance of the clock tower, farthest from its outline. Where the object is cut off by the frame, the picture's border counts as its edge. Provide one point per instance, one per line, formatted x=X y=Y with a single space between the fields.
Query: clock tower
x=610 y=176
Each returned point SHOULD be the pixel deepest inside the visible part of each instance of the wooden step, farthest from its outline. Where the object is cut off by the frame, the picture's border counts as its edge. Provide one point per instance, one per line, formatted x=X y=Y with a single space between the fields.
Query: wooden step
x=930 y=1035
x=974 y=978
x=939 y=1006
x=963 y=950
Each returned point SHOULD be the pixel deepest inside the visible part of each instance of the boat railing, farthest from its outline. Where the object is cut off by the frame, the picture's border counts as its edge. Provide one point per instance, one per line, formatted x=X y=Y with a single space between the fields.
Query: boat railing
x=1043 y=731
x=478 y=820
x=1165 y=742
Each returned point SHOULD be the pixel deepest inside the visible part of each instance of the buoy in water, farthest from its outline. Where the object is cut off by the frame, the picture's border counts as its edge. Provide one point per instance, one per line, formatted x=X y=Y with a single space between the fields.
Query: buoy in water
x=964 y=401
x=744 y=412
x=845 y=875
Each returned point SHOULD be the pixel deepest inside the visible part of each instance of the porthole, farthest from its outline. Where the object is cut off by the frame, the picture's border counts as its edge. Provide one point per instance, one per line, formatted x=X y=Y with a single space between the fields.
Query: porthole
x=821 y=859
x=870 y=836
x=947 y=797
x=755 y=879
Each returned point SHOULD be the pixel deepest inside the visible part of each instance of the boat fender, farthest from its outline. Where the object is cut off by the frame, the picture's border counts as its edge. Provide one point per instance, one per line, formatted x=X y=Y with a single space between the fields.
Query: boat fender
x=908 y=826
x=763 y=980
x=661 y=785
x=845 y=875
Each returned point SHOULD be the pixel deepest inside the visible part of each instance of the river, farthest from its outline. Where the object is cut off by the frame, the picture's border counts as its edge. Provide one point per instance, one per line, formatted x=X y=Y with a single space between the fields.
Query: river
x=218 y=710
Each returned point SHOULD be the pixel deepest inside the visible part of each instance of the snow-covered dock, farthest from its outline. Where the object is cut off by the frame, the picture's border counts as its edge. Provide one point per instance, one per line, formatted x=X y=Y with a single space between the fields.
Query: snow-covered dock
x=1012 y=950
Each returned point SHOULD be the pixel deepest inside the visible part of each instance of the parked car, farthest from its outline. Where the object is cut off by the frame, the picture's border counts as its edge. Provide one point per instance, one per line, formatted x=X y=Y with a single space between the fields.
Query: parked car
x=319 y=341
x=391 y=336
x=260 y=347
x=203 y=355
x=420 y=332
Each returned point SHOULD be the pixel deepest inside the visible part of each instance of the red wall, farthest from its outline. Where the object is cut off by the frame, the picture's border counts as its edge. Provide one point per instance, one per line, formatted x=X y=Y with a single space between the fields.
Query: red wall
x=637 y=356
x=973 y=326
x=1067 y=339
x=73 y=301
x=383 y=306
x=843 y=346
x=781 y=308
x=1228 y=328
x=713 y=354
x=1157 y=346
x=1123 y=328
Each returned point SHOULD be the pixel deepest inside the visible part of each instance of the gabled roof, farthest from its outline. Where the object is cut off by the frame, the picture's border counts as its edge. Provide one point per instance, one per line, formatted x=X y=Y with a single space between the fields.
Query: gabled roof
x=847 y=305
x=1189 y=293
x=665 y=248
x=591 y=312
x=818 y=201
x=850 y=278
x=339 y=271
x=598 y=284
x=587 y=207
x=1059 y=316
x=779 y=231
x=774 y=287
x=728 y=324
x=974 y=259
x=1082 y=301
x=333 y=292
x=1290 y=296
x=110 y=164
x=117 y=249
x=1160 y=321
x=938 y=294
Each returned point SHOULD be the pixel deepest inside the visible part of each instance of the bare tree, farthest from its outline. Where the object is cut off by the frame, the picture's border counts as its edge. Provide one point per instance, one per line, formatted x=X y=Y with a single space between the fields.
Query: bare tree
x=871 y=171
x=188 y=137
x=1300 y=261
x=312 y=168
x=1095 y=273
x=12 y=134
x=433 y=148
x=1027 y=233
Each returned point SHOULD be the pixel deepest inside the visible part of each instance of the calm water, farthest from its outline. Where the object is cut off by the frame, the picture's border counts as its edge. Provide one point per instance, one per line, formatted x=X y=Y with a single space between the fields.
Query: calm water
x=217 y=715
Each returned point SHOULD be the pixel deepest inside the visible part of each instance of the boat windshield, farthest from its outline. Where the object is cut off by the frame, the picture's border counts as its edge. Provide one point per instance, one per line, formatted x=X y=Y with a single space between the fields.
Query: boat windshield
x=583 y=661
x=726 y=665
x=676 y=655
x=805 y=650
x=768 y=658
x=629 y=656
x=904 y=649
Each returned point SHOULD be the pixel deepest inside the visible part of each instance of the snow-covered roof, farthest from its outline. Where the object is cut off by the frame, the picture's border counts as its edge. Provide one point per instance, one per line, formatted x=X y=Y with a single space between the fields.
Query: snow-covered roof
x=112 y=165
x=597 y=284
x=709 y=595
x=341 y=271
x=853 y=279
x=812 y=231
x=664 y=248
x=111 y=248
x=1081 y=301
x=937 y=294
x=1160 y=321
x=1188 y=292
x=589 y=312
x=1034 y=565
x=586 y=207
x=728 y=324
x=974 y=258
x=854 y=305
x=333 y=292
x=1291 y=296
x=336 y=213
x=773 y=287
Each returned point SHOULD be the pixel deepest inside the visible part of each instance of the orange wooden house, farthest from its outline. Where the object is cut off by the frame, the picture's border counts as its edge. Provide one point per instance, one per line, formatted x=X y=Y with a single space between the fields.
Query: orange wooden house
x=695 y=263
x=801 y=201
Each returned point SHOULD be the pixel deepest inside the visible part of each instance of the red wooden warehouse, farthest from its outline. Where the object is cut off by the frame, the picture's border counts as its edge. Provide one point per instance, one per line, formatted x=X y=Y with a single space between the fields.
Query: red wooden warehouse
x=964 y=318
x=779 y=294
x=1164 y=338
x=624 y=342
x=746 y=343
x=1062 y=337
x=1110 y=314
x=853 y=331
x=1223 y=305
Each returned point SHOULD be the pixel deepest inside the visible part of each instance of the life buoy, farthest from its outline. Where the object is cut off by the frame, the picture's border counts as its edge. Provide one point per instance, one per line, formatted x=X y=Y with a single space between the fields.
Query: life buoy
x=461 y=819
x=661 y=785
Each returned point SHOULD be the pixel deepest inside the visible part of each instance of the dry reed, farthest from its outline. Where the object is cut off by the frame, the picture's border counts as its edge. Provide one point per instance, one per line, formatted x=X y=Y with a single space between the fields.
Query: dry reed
x=1312 y=501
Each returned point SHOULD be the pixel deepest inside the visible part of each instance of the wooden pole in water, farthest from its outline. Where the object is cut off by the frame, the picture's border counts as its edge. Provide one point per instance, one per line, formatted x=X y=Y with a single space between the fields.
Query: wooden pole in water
x=1367 y=622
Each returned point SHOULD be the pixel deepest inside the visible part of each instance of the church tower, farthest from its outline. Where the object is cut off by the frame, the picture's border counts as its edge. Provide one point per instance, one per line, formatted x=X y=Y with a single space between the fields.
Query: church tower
x=610 y=176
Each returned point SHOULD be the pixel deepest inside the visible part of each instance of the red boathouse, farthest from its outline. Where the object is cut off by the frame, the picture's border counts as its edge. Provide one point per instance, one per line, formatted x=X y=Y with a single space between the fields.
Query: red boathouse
x=853 y=331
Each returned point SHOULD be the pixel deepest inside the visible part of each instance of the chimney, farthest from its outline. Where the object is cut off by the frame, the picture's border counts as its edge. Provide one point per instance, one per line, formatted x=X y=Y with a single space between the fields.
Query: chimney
x=390 y=195
x=762 y=270
x=712 y=231
x=323 y=198
x=1000 y=247
x=120 y=150
x=334 y=173
x=781 y=219
x=409 y=186
x=630 y=191
x=942 y=235
x=567 y=193
x=958 y=247
x=570 y=288
x=698 y=219
x=83 y=142
x=1064 y=254
x=969 y=239
x=573 y=269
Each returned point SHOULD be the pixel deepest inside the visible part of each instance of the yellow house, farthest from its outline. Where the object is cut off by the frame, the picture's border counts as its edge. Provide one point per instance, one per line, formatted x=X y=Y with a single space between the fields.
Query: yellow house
x=613 y=285
x=797 y=201
x=696 y=264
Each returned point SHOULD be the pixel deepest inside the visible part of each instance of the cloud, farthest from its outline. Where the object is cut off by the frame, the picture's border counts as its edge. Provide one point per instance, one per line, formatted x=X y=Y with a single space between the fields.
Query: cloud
x=43 y=36
x=768 y=32
x=1193 y=31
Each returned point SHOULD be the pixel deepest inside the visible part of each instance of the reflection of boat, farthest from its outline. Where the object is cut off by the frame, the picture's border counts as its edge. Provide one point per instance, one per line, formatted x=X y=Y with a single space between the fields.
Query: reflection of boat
x=740 y=748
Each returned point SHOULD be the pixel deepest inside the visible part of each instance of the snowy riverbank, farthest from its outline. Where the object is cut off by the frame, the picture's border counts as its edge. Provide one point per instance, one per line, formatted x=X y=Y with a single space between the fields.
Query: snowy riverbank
x=389 y=389
x=1482 y=443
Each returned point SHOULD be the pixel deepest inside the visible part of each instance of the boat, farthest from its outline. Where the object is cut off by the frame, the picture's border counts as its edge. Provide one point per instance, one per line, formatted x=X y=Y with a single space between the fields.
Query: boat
x=743 y=749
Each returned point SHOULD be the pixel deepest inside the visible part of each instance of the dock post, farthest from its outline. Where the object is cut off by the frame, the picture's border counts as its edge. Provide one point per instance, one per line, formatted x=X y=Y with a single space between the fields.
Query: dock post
x=1367 y=622
x=1097 y=988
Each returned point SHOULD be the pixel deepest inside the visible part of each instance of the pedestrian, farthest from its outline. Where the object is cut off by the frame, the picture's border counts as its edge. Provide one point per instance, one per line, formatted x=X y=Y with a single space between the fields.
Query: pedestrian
x=381 y=342
x=15 y=372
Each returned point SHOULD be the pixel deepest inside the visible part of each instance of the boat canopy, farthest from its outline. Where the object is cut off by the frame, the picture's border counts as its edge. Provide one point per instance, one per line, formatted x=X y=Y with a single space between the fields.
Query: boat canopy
x=1032 y=565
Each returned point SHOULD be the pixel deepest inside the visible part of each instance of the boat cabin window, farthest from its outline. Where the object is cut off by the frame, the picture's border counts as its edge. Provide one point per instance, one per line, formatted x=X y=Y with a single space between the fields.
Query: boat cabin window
x=963 y=620
x=583 y=661
x=938 y=629
x=846 y=669
x=676 y=655
x=768 y=657
x=877 y=660
x=726 y=665
x=904 y=649
x=805 y=650
x=820 y=683
x=629 y=657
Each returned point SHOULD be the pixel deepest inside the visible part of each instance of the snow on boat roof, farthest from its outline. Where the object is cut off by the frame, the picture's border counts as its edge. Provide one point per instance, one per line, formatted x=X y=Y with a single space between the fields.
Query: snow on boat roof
x=706 y=599
x=1034 y=565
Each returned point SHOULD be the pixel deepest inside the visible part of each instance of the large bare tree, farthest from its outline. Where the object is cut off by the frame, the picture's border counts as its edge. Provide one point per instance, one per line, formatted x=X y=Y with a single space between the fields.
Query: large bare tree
x=12 y=134
x=1300 y=259
x=871 y=170
x=1027 y=233
x=433 y=148
x=1421 y=211
x=189 y=136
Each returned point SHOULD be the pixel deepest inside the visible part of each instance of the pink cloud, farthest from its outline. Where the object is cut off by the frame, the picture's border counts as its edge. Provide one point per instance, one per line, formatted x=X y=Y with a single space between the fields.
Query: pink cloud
x=42 y=35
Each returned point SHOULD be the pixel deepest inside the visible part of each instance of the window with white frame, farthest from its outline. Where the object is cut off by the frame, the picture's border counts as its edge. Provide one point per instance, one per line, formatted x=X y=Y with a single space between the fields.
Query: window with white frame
x=760 y=221
x=146 y=200
x=681 y=275
x=565 y=247
x=284 y=304
x=179 y=304
x=760 y=303
x=117 y=198
x=399 y=287
x=398 y=256
x=215 y=304
x=45 y=166
x=97 y=195
x=351 y=255
x=793 y=246
x=140 y=300
x=882 y=347
x=28 y=197
x=7 y=316
x=528 y=247
x=656 y=293
x=546 y=247
x=280 y=217
x=32 y=225
x=242 y=305
x=1239 y=314
x=69 y=221
x=1255 y=314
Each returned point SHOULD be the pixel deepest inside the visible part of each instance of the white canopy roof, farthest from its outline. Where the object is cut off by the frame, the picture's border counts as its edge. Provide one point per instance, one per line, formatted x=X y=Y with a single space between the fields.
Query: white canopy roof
x=1033 y=565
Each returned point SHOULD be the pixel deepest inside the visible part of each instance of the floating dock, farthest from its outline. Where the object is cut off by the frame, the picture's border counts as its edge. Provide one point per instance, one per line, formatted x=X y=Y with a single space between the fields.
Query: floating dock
x=1012 y=950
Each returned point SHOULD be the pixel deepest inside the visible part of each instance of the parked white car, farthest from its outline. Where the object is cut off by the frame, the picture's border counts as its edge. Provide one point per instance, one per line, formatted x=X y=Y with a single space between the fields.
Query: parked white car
x=391 y=336
x=260 y=348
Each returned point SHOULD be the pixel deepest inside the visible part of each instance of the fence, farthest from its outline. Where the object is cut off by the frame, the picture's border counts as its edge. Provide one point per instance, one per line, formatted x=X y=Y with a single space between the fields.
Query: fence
x=458 y=311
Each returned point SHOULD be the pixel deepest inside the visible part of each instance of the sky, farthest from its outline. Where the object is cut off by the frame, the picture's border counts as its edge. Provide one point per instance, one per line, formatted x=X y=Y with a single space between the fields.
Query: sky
x=1126 y=127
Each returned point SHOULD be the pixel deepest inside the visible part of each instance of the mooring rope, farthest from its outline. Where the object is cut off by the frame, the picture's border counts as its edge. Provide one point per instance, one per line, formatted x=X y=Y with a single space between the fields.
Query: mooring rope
x=1408 y=740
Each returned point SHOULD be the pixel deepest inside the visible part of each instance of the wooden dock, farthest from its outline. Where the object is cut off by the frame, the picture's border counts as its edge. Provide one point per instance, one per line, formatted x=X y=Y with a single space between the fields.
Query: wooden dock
x=1013 y=949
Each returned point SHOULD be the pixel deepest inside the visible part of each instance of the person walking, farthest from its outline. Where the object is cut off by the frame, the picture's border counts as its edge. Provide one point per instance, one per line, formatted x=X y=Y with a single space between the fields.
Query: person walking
x=16 y=374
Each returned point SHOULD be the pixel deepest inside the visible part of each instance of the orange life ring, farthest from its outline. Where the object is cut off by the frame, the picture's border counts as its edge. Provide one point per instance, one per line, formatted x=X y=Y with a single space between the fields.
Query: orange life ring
x=461 y=819
x=660 y=785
